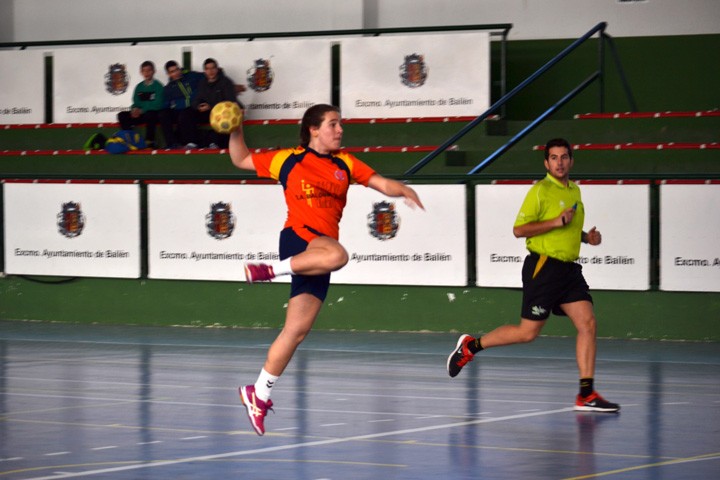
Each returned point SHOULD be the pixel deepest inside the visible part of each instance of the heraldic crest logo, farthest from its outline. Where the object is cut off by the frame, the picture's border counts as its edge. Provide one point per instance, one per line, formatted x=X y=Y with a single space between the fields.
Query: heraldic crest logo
x=117 y=79
x=414 y=71
x=383 y=221
x=71 y=220
x=220 y=222
x=260 y=76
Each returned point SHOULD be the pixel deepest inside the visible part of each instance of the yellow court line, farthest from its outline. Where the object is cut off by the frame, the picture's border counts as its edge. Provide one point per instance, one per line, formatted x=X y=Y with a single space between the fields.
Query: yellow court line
x=513 y=449
x=8 y=415
x=699 y=458
x=235 y=460
x=59 y=467
x=131 y=427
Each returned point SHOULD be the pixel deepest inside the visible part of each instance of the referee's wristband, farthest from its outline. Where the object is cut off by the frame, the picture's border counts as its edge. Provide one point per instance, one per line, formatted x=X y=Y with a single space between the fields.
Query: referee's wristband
x=584 y=237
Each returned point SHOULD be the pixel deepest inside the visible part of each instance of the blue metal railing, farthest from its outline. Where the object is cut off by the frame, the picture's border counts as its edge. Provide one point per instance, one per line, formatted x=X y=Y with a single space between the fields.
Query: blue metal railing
x=599 y=74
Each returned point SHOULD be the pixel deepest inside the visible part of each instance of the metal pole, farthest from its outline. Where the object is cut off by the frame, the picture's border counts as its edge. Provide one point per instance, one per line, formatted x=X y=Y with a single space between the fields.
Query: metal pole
x=601 y=67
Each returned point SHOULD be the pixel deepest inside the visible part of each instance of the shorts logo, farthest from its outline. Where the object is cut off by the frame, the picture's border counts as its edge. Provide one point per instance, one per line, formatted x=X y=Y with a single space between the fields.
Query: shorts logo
x=260 y=76
x=383 y=221
x=538 y=311
x=220 y=222
x=71 y=220
x=117 y=80
x=413 y=72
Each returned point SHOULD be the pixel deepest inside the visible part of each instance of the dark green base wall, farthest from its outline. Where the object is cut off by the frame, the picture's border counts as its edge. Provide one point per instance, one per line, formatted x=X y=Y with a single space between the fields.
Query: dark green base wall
x=645 y=315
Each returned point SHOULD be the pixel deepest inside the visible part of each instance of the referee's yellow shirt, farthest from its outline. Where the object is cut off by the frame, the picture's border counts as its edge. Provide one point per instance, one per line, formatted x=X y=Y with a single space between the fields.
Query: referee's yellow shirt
x=547 y=199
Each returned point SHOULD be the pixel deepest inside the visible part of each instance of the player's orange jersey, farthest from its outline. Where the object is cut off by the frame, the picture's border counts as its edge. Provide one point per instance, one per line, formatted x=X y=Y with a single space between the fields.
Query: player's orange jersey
x=315 y=185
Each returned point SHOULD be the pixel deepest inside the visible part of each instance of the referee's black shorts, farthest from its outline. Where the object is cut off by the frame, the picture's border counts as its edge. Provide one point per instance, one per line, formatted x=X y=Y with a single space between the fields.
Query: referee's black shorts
x=549 y=283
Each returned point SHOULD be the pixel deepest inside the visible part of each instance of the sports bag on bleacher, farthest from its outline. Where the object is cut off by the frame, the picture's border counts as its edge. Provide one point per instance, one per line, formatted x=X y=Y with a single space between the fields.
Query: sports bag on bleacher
x=124 y=141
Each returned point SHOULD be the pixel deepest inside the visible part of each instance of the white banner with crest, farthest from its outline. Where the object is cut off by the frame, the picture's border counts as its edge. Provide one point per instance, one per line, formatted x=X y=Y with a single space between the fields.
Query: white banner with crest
x=22 y=93
x=390 y=243
x=72 y=229
x=208 y=232
x=415 y=76
x=620 y=262
x=689 y=233
x=94 y=84
x=282 y=77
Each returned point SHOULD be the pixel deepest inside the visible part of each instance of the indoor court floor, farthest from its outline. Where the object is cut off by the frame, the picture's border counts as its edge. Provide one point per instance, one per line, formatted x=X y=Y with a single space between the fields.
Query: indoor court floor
x=133 y=402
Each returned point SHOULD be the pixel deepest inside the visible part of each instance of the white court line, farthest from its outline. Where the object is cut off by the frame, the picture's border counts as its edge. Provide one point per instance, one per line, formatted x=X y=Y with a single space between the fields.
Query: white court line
x=300 y=445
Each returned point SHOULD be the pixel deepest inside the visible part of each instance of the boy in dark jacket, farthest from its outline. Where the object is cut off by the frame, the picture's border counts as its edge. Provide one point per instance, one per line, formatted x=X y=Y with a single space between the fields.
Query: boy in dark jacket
x=215 y=87
x=177 y=118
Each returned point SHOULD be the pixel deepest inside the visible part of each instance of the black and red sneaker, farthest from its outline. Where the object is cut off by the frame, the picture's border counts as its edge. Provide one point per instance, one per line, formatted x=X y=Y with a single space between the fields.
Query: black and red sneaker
x=460 y=356
x=595 y=403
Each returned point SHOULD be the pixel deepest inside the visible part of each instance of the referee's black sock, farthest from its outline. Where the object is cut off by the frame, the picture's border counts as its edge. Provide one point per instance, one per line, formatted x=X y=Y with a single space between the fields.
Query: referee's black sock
x=475 y=346
x=586 y=387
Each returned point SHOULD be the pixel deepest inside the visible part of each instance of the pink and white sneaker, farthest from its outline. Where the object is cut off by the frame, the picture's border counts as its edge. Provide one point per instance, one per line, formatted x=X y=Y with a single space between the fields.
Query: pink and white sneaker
x=256 y=408
x=258 y=272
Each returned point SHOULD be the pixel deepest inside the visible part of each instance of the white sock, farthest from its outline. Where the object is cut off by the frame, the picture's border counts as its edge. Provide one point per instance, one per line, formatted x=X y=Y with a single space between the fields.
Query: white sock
x=282 y=267
x=264 y=385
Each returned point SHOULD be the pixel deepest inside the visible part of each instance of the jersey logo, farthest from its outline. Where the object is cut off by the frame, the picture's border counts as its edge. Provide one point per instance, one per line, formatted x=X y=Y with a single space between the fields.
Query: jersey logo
x=413 y=72
x=260 y=76
x=340 y=175
x=220 y=222
x=383 y=221
x=116 y=80
x=71 y=220
x=308 y=191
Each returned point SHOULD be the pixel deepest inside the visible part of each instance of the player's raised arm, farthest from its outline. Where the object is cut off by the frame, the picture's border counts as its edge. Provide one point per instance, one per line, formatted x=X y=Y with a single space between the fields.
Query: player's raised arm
x=239 y=151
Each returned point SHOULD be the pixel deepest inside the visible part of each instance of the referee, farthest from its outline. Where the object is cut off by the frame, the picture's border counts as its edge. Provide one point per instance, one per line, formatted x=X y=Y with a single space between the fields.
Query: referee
x=551 y=220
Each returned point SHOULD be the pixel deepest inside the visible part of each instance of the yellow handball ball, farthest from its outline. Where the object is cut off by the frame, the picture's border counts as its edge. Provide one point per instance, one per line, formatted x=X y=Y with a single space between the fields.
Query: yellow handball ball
x=225 y=117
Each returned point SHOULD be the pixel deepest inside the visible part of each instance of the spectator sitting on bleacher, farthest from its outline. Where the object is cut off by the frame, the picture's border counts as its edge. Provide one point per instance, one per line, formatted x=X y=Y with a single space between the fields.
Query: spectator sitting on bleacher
x=177 y=118
x=146 y=106
x=215 y=87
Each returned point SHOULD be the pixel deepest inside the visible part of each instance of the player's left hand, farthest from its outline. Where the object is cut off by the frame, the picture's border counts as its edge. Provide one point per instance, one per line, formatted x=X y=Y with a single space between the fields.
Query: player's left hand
x=594 y=237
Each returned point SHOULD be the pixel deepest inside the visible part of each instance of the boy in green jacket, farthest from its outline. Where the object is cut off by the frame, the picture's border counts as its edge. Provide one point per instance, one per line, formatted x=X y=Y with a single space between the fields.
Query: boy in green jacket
x=146 y=106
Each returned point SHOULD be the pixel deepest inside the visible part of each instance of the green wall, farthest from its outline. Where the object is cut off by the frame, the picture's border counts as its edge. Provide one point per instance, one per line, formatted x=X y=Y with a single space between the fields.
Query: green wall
x=646 y=315
x=677 y=73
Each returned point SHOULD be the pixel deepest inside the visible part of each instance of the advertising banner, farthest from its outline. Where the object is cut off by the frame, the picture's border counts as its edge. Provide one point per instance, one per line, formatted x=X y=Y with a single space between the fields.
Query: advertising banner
x=69 y=229
x=390 y=243
x=415 y=76
x=22 y=93
x=620 y=262
x=689 y=233
x=282 y=77
x=93 y=84
x=208 y=232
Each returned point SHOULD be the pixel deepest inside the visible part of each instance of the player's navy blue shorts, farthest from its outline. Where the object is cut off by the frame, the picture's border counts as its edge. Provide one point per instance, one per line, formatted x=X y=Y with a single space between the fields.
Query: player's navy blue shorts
x=292 y=244
x=549 y=283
